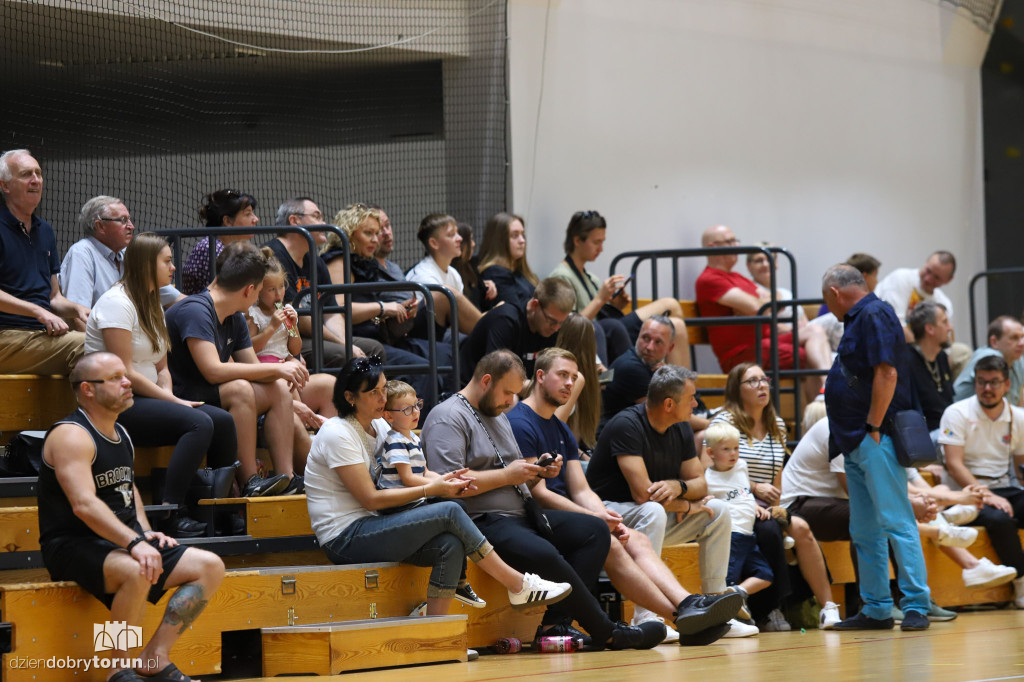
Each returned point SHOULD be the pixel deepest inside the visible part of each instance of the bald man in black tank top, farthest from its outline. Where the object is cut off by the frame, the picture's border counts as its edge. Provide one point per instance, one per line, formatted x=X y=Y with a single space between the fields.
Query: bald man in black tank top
x=93 y=527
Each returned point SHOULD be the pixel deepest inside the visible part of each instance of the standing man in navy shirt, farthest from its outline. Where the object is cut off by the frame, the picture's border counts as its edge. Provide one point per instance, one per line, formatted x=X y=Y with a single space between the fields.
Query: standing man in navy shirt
x=870 y=382
x=34 y=333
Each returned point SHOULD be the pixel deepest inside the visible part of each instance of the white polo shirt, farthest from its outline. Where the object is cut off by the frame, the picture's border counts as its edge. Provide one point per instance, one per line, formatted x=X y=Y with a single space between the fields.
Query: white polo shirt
x=988 y=444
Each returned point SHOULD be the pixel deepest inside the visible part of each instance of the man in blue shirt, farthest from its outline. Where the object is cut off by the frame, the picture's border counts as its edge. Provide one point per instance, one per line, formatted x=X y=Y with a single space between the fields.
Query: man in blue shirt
x=35 y=337
x=868 y=383
x=632 y=564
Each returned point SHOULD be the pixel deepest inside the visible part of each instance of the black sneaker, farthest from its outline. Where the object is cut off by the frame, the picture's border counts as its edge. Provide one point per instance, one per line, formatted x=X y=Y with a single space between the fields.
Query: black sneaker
x=647 y=635
x=914 y=620
x=862 y=622
x=705 y=636
x=564 y=630
x=264 y=487
x=183 y=527
x=699 y=612
x=296 y=486
x=466 y=595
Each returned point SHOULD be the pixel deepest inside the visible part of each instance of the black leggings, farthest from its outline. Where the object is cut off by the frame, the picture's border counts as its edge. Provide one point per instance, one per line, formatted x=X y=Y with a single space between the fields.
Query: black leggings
x=576 y=557
x=196 y=432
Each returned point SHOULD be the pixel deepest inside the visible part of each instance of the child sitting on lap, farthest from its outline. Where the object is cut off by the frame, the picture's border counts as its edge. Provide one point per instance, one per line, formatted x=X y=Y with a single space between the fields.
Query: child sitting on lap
x=727 y=480
x=403 y=464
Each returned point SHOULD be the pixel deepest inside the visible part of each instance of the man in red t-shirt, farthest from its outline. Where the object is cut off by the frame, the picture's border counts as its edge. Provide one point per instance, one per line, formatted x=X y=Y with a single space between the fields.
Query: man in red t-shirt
x=723 y=293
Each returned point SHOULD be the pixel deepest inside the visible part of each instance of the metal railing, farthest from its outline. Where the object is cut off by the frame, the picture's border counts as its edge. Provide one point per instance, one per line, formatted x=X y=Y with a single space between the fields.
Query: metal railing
x=996 y=272
x=773 y=308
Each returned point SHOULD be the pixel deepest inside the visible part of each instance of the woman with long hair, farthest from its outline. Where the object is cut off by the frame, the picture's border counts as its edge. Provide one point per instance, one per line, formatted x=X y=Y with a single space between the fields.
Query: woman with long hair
x=604 y=301
x=474 y=287
x=748 y=406
x=583 y=411
x=343 y=503
x=128 y=321
x=503 y=260
x=223 y=208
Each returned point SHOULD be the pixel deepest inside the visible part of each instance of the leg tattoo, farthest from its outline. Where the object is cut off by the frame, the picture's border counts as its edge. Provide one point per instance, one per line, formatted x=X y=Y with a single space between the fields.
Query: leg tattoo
x=184 y=606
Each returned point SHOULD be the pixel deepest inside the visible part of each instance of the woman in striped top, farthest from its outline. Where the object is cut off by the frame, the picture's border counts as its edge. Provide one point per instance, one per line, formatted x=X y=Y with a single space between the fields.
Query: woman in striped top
x=748 y=407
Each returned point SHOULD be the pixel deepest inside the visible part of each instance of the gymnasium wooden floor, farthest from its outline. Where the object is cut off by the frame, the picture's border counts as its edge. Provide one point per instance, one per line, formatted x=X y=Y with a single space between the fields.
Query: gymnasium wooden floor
x=974 y=648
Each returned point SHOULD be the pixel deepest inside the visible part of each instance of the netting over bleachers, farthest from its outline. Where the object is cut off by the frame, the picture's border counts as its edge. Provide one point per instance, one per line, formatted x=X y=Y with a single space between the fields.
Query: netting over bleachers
x=397 y=102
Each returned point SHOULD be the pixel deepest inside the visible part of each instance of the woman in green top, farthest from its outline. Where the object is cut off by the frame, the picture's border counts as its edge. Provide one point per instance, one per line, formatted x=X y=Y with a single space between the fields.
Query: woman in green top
x=604 y=301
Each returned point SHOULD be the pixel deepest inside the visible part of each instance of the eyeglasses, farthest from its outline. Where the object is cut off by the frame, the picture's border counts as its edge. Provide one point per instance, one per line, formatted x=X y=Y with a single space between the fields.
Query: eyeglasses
x=408 y=411
x=315 y=215
x=989 y=383
x=754 y=382
x=725 y=242
x=550 y=320
x=124 y=220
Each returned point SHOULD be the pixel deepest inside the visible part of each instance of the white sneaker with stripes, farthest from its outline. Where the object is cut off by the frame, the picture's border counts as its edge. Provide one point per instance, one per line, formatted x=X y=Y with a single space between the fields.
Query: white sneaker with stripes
x=537 y=591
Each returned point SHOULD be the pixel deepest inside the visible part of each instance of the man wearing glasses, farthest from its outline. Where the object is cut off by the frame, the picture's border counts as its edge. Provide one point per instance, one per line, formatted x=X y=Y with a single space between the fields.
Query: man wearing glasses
x=35 y=336
x=94 y=263
x=525 y=332
x=724 y=293
x=983 y=441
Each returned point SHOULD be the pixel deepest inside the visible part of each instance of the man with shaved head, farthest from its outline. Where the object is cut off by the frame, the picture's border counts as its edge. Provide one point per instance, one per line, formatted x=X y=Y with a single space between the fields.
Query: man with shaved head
x=724 y=293
x=93 y=528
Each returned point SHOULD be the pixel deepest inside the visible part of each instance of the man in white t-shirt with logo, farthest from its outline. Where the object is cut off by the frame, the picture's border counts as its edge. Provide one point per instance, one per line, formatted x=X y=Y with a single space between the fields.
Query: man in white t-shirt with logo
x=906 y=287
x=983 y=441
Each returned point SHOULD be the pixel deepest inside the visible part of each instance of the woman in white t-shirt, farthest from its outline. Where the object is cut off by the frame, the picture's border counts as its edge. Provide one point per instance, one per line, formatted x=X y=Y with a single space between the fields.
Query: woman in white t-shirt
x=343 y=503
x=748 y=407
x=128 y=321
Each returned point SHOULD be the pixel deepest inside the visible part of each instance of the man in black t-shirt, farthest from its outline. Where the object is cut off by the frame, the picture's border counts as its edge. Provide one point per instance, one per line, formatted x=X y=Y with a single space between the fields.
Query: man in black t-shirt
x=292 y=250
x=635 y=367
x=929 y=364
x=212 y=360
x=525 y=332
x=645 y=468
x=93 y=527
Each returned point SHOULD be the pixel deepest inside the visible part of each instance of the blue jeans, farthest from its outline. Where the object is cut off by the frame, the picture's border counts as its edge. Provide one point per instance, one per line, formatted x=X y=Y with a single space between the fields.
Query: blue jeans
x=880 y=513
x=437 y=535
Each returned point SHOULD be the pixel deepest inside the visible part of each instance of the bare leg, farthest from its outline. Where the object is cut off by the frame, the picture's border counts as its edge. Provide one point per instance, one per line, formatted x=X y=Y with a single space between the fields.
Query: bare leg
x=469 y=315
x=199 y=574
x=300 y=444
x=275 y=400
x=318 y=395
x=642 y=577
x=238 y=398
x=819 y=356
x=437 y=606
x=810 y=560
x=752 y=585
x=494 y=566
x=122 y=577
x=961 y=556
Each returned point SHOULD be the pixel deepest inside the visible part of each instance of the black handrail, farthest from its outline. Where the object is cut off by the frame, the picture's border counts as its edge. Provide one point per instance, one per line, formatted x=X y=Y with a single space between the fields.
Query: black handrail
x=432 y=367
x=211 y=233
x=970 y=294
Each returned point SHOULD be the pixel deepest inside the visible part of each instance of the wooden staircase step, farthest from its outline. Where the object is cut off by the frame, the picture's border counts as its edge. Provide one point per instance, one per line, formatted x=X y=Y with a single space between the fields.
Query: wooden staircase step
x=333 y=648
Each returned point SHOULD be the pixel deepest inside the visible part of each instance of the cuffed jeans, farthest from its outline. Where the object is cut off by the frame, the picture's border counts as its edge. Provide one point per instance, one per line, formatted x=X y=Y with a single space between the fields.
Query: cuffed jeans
x=880 y=514
x=437 y=535
x=713 y=534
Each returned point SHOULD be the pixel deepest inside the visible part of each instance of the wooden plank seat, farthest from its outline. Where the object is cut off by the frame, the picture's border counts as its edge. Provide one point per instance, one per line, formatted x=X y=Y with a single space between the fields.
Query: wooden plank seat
x=56 y=618
x=333 y=648
x=277 y=516
x=33 y=402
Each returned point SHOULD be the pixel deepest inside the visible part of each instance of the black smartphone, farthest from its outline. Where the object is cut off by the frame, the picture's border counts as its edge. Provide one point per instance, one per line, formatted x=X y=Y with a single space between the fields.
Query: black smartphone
x=625 y=283
x=545 y=460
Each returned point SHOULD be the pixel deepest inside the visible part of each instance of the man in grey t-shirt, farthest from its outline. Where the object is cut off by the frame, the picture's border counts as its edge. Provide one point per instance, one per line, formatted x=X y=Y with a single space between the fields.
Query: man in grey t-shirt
x=470 y=430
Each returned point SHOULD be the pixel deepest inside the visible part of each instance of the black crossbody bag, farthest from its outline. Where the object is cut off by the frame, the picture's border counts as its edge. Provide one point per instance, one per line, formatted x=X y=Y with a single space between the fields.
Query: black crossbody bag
x=534 y=514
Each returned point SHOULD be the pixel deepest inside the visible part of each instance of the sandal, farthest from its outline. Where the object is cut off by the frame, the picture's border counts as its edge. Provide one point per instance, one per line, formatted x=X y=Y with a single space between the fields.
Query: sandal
x=168 y=674
x=124 y=676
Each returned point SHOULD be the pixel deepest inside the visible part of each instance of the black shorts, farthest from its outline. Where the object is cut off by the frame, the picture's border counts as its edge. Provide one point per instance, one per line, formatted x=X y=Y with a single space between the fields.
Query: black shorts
x=80 y=558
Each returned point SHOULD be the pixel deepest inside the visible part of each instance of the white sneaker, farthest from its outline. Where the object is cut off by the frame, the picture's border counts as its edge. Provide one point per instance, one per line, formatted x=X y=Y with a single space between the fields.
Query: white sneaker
x=420 y=610
x=671 y=636
x=987 y=574
x=1018 y=593
x=788 y=542
x=537 y=591
x=960 y=514
x=738 y=629
x=776 y=622
x=829 y=616
x=957 y=536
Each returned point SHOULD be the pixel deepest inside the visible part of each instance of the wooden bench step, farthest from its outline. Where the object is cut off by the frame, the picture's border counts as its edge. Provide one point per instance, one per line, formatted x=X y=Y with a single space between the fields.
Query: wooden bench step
x=29 y=401
x=278 y=516
x=333 y=648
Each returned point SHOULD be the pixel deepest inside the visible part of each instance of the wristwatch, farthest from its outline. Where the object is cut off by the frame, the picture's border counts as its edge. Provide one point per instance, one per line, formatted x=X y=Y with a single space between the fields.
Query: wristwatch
x=871 y=428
